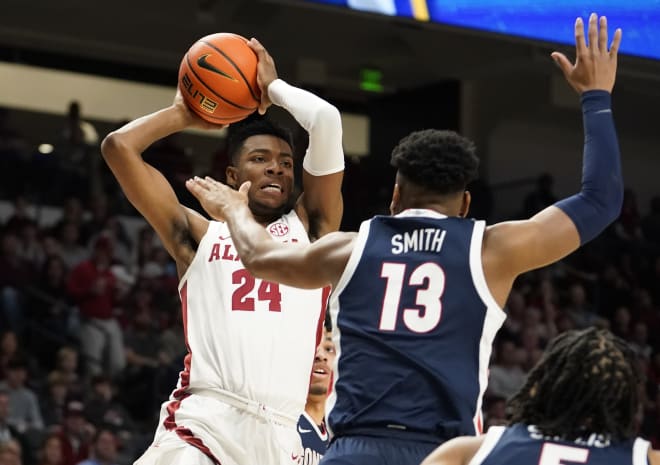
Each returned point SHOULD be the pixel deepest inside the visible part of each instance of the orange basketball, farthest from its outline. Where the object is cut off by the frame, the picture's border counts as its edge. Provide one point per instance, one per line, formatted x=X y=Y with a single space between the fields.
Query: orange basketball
x=218 y=78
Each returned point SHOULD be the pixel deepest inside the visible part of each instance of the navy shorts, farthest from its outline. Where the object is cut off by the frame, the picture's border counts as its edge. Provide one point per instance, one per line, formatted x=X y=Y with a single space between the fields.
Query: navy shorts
x=368 y=450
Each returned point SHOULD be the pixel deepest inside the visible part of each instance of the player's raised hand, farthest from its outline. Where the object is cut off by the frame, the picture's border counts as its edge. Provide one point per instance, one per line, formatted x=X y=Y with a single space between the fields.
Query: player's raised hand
x=595 y=64
x=217 y=198
x=266 y=72
x=192 y=120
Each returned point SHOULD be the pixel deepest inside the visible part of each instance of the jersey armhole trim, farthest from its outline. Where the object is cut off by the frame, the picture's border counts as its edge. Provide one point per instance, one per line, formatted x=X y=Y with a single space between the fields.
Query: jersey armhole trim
x=354 y=259
x=491 y=439
x=477 y=268
x=640 y=452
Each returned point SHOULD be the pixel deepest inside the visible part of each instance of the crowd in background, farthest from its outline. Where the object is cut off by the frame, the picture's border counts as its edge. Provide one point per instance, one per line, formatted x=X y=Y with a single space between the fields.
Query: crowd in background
x=92 y=338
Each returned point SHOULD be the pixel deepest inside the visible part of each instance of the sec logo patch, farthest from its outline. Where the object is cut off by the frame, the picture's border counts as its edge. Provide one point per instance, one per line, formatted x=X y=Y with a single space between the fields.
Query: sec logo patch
x=278 y=229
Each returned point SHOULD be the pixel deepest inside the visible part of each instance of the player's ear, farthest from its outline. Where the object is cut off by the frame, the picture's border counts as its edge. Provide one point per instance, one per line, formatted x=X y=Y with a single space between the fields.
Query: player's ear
x=232 y=176
x=465 y=205
x=396 y=200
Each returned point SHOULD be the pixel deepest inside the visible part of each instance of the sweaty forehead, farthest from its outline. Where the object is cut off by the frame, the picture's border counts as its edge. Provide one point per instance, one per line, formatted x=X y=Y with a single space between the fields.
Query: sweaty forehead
x=267 y=143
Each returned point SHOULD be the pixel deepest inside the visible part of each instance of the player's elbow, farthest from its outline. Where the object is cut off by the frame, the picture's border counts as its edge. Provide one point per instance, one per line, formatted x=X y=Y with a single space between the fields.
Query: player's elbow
x=327 y=116
x=112 y=147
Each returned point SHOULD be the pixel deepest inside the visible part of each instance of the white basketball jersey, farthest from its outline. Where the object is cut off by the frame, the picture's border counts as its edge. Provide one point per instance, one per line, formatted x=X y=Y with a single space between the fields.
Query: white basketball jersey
x=254 y=338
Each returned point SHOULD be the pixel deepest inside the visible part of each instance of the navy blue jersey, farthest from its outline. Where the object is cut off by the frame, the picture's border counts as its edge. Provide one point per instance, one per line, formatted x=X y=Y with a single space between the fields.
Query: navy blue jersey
x=315 y=440
x=414 y=324
x=525 y=445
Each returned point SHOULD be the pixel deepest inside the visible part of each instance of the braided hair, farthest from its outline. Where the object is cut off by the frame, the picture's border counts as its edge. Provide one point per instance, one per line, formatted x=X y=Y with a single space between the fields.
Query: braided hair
x=441 y=161
x=586 y=383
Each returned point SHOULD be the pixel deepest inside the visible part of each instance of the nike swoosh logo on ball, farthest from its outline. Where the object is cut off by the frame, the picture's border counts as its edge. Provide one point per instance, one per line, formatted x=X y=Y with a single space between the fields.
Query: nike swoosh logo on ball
x=203 y=63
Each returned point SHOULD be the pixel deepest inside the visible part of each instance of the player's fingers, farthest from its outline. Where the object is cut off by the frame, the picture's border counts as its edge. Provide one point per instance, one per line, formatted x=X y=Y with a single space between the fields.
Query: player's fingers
x=212 y=181
x=564 y=64
x=602 y=35
x=194 y=188
x=616 y=41
x=203 y=184
x=245 y=187
x=593 y=33
x=259 y=49
x=580 y=43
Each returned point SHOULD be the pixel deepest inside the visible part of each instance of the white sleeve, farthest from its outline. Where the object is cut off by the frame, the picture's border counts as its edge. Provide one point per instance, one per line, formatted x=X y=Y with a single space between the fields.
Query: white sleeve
x=321 y=120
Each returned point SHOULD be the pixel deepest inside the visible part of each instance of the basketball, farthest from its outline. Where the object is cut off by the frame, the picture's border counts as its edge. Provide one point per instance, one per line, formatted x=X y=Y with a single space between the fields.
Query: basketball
x=218 y=78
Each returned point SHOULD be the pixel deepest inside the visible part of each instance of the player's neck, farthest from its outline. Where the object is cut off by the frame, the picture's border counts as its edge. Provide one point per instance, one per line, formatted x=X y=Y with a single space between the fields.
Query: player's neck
x=315 y=409
x=434 y=206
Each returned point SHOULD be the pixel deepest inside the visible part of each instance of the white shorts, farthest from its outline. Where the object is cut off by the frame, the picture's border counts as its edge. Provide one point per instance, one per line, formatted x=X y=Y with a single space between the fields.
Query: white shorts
x=223 y=434
x=172 y=450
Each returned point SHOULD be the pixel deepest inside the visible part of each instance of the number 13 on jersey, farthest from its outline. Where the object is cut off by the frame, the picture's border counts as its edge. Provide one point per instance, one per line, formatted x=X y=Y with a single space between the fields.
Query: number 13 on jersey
x=429 y=275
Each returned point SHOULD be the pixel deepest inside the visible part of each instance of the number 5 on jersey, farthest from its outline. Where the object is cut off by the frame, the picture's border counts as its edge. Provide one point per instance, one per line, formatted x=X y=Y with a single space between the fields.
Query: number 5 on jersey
x=429 y=275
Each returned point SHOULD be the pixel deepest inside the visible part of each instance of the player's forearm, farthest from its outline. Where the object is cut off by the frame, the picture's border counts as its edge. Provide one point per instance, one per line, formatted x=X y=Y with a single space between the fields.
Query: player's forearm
x=599 y=202
x=320 y=119
x=249 y=237
x=139 y=134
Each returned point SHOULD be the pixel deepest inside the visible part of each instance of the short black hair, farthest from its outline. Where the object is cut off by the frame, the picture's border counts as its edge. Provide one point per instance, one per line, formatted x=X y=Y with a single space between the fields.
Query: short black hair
x=441 y=161
x=253 y=125
x=587 y=382
x=327 y=322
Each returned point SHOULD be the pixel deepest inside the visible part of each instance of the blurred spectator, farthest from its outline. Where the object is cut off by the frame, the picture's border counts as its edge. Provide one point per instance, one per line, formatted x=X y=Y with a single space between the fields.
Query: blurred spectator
x=92 y=286
x=51 y=310
x=20 y=217
x=143 y=358
x=31 y=250
x=50 y=452
x=24 y=412
x=11 y=453
x=7 y=431
x=628 y=226
x=54 y=401
x=72 y=213
x=494 y=411
x=104 y=449
x=15 y=274
x=621 y=323
x=14 y=157
x=532 y=348
x=540 y=197
x=76 y=434
x=639 y=340
x=646 y=311
x=67 y=368
x=99 y=213
x=104 y=409
x=613 y=291
x=515 y=311
x=8 y=350
x=578 y=308
x=651 y=222
x=506 y=376
x=70 y=249
x=77 y=155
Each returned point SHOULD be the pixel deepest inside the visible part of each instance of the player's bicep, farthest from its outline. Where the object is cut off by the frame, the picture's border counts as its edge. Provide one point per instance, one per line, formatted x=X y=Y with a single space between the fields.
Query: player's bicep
x=547 y=237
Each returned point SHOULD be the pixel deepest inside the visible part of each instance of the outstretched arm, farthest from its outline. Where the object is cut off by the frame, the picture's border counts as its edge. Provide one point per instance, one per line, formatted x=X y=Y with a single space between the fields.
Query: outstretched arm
x=320 y=205
x=146 y=188
x=512 y=248
x=303 y=266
